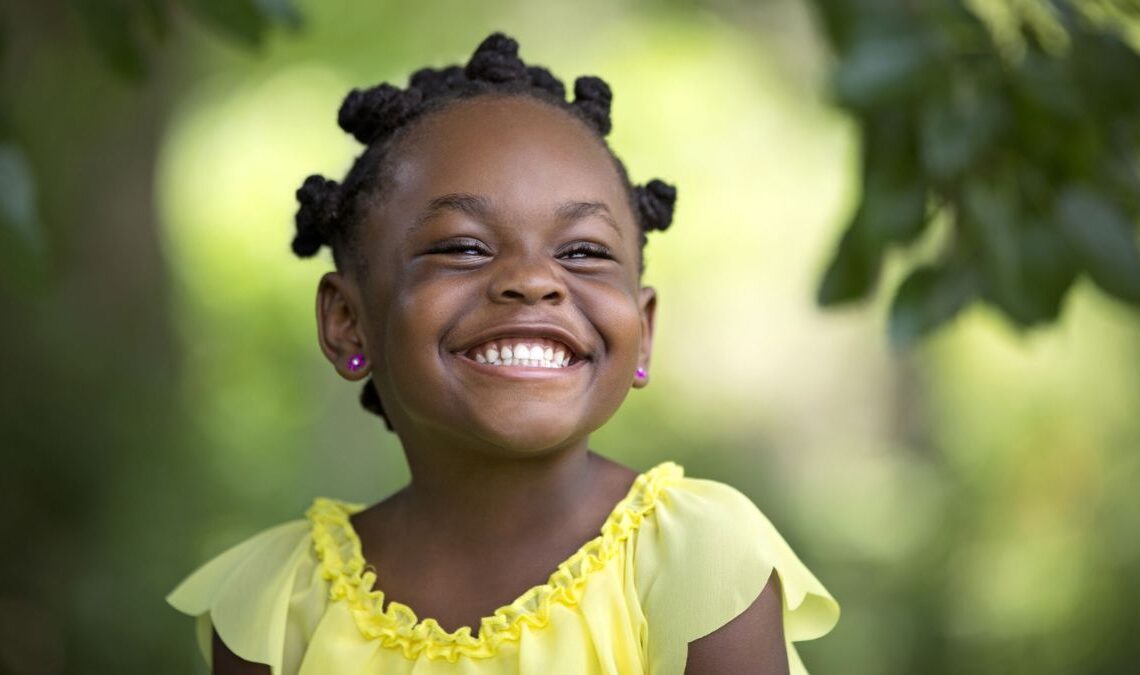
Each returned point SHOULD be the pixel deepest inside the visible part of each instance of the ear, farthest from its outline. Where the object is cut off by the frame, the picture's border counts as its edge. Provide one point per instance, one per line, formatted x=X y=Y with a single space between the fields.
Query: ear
x=648 y=302
x=338 y=329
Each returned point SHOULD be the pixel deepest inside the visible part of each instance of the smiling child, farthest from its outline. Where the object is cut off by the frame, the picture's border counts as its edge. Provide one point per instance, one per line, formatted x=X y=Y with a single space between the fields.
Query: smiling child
x=488 y=253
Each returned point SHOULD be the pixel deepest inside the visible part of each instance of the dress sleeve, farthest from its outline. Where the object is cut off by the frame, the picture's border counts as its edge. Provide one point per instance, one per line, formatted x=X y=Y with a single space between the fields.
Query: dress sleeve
x=254 y=595
x=704 y=558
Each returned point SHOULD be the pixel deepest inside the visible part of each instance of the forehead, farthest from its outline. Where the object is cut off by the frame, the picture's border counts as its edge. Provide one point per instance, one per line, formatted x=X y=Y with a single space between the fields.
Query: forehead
x=525 y=156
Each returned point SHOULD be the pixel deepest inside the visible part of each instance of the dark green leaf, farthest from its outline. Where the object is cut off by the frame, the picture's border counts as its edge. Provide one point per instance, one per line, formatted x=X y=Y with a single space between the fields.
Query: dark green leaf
x=884 y=69
x=240 y=19
x=1047 y=84
x=893 y=204
x=1048 y=271
x=956 y=130
x=280 y=11
x=157 y=15
x=1108 y=72
x=989 y=218
x=852 y=272
x=930 y=296
x=110 y=26
x=893 y=212
x=21 y=236
x=1104 y=239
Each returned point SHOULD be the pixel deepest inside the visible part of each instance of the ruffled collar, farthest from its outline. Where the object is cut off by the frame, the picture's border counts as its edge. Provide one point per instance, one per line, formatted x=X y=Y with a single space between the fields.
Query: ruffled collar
x=337 y=545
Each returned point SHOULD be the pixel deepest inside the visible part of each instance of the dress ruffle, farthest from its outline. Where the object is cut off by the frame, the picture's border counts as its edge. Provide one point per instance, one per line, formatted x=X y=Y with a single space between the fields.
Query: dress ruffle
x=342 y=564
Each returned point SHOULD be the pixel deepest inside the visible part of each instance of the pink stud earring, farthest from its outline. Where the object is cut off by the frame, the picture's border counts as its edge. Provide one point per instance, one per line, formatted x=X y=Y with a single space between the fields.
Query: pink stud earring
x=640 y=372
x=356 y=362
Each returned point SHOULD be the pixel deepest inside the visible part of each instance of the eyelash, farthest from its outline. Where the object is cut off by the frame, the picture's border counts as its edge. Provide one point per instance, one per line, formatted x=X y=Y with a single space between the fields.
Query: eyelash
x=595 y=250
x=458 y=247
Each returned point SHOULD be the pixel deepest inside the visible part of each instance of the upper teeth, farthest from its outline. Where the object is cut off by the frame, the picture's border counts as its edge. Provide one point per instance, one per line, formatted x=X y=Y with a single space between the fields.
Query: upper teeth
x=539 y=352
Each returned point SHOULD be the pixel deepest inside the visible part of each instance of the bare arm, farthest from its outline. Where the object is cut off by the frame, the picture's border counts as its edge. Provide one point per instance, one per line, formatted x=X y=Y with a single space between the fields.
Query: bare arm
x=228 y=663
x=752 y=643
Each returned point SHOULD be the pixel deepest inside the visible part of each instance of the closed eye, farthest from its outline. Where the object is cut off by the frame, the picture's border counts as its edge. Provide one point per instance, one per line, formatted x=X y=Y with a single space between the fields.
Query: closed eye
x=466 y=247
x=586 y=249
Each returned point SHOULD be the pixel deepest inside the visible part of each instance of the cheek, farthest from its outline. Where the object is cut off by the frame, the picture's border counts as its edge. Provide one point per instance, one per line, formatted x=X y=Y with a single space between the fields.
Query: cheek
x=422 y=311
x=614 y=313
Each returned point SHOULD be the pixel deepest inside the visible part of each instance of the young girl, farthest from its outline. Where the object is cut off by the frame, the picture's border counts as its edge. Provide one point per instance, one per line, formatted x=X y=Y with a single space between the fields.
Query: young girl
x=488 y=252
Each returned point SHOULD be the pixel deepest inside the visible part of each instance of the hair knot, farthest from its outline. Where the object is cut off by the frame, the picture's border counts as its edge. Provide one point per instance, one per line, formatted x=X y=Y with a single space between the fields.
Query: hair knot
x=655 y=202
x=592 y=96
x=318 y=197
x=541 y=78
x=370 y=113
x=433 y=82
x=496 y=60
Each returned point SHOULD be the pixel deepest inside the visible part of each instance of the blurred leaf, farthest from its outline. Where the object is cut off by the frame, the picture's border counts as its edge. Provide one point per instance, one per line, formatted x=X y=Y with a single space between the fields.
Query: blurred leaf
x=884 y=69
x=1103 y=238
x=1048 y=270
x=1048 y=85
x=157 y=18
x=853 y=270
x=21 y=235
x=280 y=11
x=989 y=218
x=110 y=25
x=893 y=212
x=893 y=204
x=240 y=19
x=930 y=296
x=1108 y=71
x=957 y=129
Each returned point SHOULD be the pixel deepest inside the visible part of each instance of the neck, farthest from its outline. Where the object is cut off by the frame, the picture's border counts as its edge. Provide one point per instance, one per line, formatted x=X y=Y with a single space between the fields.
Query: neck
x=480 y=498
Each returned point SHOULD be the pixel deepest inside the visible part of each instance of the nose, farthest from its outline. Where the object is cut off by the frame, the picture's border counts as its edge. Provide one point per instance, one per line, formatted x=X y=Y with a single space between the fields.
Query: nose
x=528 y=279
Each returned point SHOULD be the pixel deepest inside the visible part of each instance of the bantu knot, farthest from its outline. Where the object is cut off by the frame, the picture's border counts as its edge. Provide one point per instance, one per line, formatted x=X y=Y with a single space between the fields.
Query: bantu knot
x=496 y=59
x=542 y=79
x=318 y=197
x=593 y=97
x=434 y=82
x=655 y=202
x=369 y=113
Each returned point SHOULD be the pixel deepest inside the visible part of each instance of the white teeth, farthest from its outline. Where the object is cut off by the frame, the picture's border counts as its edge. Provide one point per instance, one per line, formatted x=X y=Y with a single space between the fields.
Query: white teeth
x=540 y=355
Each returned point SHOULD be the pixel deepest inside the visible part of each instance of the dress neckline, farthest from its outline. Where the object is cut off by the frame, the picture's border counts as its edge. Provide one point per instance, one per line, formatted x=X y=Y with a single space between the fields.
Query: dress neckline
x=352 y=580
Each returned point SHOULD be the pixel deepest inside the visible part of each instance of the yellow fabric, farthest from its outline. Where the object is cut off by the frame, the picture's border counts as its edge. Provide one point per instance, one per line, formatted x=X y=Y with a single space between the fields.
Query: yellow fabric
x=677 y=558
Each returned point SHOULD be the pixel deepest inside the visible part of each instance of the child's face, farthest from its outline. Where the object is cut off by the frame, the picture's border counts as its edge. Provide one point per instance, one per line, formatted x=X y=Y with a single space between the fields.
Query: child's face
x=517 y=271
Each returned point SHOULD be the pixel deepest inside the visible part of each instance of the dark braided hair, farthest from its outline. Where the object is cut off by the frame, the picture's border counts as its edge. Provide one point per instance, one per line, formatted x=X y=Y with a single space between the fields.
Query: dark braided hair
x=379 y=117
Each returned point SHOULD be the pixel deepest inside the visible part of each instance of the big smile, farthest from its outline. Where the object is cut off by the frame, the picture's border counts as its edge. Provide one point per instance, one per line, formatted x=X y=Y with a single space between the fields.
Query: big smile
x=523 y=352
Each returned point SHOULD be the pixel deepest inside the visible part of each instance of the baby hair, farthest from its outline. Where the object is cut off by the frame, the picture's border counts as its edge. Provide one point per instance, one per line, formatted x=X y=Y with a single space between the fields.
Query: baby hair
x=330 y=212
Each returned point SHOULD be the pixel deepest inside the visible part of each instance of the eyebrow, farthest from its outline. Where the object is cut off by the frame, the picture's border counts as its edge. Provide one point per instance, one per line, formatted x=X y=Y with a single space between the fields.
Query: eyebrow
x=479 y=207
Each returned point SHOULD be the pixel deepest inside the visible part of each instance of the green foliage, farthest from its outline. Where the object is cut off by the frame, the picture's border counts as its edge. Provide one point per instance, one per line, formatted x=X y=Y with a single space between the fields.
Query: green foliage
x=21 y=237
x=119 y=30
x=1024 y=136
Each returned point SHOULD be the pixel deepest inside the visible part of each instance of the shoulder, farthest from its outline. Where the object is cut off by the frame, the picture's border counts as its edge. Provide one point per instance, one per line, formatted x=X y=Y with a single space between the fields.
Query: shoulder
x=705 y=525
x=243 y=594
x=703 y=559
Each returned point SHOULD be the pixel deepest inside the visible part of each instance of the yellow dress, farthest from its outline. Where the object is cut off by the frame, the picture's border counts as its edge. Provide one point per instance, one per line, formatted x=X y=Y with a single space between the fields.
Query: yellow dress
x=676 y=559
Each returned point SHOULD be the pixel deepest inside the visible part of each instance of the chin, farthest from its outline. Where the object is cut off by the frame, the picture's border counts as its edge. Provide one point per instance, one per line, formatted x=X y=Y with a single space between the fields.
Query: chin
x=530 y=440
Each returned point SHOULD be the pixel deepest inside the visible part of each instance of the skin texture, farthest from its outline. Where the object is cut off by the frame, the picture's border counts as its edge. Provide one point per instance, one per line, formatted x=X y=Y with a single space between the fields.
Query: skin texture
x=503 y=484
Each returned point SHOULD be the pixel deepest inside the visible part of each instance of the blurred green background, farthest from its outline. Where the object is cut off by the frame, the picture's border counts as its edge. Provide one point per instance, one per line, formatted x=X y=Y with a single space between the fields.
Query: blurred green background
x=969 y=497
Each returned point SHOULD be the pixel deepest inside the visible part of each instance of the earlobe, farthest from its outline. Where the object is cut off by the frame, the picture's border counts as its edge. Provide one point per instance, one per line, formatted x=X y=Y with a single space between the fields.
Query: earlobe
x=648 y=303
x=338 y=330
